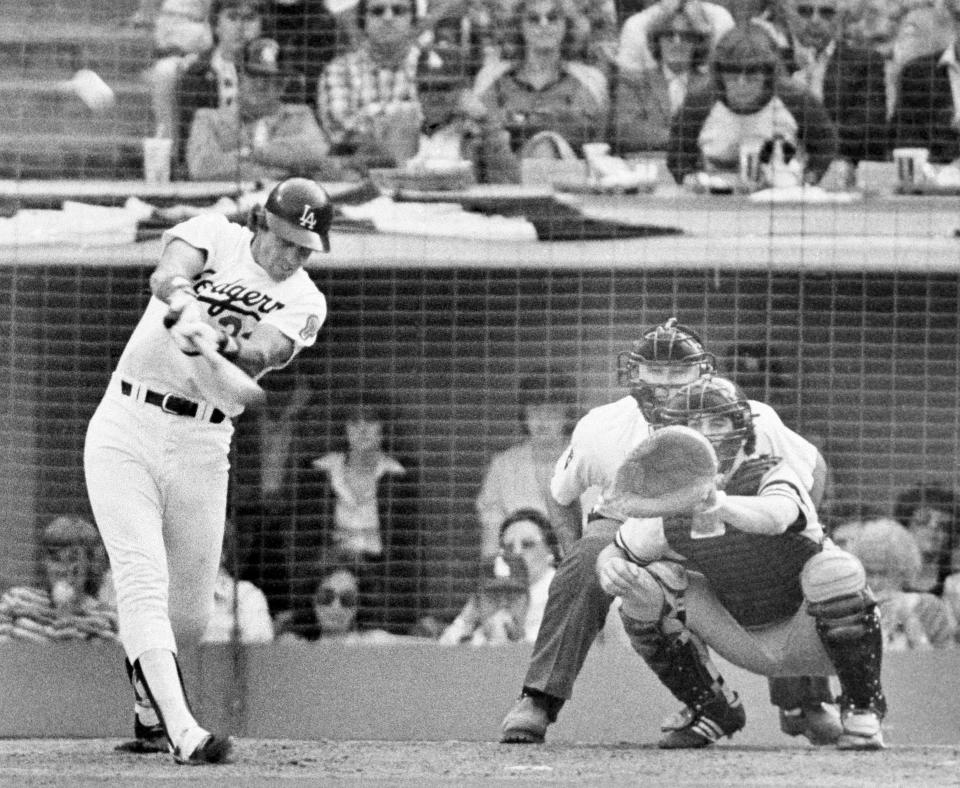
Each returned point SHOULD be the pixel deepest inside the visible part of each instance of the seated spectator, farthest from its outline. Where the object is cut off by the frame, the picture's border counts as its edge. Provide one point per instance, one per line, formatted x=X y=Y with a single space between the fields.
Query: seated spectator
x=929 y=512
x=849 y=80
x=181 y=33
x=465 y=25
x=635 y=53
x=749 y=105
x=366 y=98
x=240 y=610
x=64 y=606
x=368 y=507
x=258 y=137
x=926 y=113
x=891 y=559
x=519 y=476
x=644 y=101
x=310 y=36
x=212 y=79
x=543 y=90
x=455 y=126
x=512 y=596
x=330 y=611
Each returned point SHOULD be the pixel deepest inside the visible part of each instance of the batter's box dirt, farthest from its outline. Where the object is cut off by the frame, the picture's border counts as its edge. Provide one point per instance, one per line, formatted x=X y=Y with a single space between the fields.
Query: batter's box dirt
x=56 y=762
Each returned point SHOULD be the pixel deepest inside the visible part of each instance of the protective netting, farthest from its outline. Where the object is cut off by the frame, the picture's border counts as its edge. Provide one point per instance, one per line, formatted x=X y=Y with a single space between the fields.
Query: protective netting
x=844 y=317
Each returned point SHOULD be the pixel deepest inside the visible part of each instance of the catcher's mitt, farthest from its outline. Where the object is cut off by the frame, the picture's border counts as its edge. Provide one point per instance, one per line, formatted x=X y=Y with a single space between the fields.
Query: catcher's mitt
x=668 y=473
x=746 y=479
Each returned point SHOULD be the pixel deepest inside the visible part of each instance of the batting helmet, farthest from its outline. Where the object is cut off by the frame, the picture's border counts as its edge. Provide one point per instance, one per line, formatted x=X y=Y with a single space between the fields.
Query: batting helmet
x=668 y=345
x=713 y=396
x=300 y=211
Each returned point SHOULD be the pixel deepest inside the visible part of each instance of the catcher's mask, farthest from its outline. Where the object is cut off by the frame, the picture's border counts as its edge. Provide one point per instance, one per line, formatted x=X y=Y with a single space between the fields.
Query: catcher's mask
x=708 y=397
x=673 y=348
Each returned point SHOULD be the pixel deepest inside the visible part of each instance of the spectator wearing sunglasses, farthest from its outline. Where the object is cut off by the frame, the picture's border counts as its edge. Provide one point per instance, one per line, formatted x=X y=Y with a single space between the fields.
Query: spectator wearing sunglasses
x=542 y=92
x=367 y=98
x=747 y=104
x=848 y=79
x=331 y=610
x=636 y=53
x=644 y=101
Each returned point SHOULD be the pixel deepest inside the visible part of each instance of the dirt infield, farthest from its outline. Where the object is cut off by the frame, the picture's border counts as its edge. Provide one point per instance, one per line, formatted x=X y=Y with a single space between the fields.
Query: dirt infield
x=56 y=762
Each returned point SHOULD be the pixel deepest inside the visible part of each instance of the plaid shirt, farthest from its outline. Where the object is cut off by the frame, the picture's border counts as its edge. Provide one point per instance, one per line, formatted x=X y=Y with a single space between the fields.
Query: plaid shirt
x=353 y=89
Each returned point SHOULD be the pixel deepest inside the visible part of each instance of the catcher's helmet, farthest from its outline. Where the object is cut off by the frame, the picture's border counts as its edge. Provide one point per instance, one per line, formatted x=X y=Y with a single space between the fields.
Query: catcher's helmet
x=300 y=211
x=713 y=396
x=668 y=345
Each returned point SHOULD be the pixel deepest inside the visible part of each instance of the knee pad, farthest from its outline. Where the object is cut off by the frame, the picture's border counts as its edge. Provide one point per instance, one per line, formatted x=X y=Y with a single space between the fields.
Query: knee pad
x=835 y=587
x=832 y=574
x=658 y=594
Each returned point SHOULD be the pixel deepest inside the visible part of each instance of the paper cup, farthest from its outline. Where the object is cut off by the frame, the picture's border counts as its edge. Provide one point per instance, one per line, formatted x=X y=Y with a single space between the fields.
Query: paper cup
x=750 y=165
x=156 y=159
x=910 y=163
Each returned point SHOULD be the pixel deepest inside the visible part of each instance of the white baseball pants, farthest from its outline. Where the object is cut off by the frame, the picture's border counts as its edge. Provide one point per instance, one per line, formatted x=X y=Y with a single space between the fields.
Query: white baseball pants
x=158 y=488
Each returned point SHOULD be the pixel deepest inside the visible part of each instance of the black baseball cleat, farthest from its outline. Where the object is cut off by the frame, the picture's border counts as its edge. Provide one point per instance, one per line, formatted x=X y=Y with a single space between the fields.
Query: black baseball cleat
x=701 y=727
x=147 y=739
x=212 y=749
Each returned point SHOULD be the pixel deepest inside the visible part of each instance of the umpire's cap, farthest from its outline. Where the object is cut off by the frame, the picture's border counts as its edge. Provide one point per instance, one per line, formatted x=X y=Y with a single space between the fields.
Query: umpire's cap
x=69 y=530
x=299 y=211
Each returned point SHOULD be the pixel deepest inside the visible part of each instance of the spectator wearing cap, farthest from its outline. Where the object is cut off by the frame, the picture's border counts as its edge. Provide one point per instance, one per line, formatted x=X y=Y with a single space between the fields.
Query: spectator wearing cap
x=455 y=126
x=512 y=593
x=63 y=606
x=258 y=137
x=367 y=98
x=519 y=476
x=212 y=79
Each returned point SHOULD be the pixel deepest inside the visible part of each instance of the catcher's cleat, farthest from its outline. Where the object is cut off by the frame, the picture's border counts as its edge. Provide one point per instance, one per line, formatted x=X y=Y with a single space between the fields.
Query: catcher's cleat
x=695 y=728
x=861 y=730
x=147 y=739
x=211 y=749
x=526 y=722
x=819 y=722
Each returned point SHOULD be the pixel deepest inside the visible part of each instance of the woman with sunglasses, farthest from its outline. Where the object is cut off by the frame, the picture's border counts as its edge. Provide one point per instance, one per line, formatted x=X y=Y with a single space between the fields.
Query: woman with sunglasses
x=540 y=89
x=748 y=106
x=330 y=610
x=367 y=98
x=645 y=100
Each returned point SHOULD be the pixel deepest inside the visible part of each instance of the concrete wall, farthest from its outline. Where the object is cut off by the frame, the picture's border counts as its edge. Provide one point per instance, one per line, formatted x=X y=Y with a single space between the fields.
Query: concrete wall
x=416 y=692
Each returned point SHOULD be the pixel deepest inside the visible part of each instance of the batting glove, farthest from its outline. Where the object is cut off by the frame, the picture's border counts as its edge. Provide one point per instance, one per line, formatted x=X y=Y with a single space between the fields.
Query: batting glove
x=186 y=334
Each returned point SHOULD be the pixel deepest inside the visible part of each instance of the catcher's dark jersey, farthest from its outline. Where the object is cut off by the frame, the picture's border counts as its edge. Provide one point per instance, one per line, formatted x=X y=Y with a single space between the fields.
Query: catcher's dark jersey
x=756 y=577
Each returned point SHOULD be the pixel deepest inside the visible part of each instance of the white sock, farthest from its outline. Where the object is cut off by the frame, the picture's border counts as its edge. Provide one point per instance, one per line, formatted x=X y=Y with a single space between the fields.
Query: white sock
x=159 y=668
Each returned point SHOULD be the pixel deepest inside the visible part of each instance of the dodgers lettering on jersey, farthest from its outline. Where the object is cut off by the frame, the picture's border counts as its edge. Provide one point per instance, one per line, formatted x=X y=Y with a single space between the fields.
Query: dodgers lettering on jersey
x=605 y=436
x=237 y=295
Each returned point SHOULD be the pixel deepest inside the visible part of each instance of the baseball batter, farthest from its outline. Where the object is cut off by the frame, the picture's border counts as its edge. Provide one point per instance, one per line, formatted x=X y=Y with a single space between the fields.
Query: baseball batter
x=747 y=571
x=666 y=358
x=156 y=453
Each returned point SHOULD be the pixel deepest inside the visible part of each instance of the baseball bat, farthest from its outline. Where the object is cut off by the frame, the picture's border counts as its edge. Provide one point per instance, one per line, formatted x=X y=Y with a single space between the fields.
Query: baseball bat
x=235 y=386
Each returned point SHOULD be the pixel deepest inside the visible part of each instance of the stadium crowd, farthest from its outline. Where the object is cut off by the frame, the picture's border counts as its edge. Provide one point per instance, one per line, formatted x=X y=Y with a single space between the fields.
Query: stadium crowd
x=334 y=90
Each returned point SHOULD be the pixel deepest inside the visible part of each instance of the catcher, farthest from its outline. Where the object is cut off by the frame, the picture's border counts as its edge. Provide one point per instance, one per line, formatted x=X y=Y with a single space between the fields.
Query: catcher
x=744 y=570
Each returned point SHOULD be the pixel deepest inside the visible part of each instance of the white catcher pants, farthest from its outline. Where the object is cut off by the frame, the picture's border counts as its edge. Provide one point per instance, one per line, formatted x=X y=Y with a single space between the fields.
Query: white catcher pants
x=157 y=484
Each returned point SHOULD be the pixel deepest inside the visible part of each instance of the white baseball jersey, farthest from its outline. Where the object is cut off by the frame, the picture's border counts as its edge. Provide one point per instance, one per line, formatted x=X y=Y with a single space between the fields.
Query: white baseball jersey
x=605 y=436
x=236 y=295
x=157 y=480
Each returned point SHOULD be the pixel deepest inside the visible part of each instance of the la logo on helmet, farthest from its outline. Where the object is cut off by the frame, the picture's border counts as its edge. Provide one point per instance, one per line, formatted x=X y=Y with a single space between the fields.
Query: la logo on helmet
x=308 y=218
